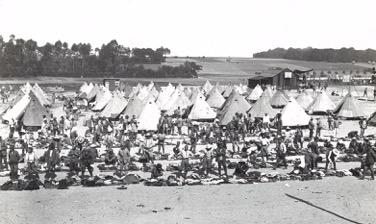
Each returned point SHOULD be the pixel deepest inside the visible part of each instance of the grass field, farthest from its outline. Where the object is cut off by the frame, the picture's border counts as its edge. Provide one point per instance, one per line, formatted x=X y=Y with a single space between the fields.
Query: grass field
x=222 y=70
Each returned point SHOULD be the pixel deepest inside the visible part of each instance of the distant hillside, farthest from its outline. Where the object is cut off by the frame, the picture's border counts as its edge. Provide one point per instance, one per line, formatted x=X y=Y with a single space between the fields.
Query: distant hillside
x=327 y=55
x=245 y=67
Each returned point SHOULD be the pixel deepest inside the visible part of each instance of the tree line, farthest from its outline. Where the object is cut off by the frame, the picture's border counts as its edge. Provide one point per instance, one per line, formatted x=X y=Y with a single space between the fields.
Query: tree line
x=19 y=58
x=327 y=55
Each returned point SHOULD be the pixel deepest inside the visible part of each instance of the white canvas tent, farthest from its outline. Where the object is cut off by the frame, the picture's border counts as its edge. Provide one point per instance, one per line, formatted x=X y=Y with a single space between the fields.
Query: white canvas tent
x=215 y=99
x=102 y=99
x=114 y=108
x=322 y=104
x=304 y=100
x=256 y=93
x=201 y=110
x=149 y=117
x=294 y=115
x=18 y=109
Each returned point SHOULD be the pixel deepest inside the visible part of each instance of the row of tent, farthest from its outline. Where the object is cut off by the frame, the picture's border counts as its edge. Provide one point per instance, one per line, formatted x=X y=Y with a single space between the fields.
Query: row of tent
x=29 y=106
x=205 y=103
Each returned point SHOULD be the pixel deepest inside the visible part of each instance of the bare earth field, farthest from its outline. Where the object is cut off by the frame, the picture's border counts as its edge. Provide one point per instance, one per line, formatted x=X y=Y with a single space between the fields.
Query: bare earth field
x=341 y=198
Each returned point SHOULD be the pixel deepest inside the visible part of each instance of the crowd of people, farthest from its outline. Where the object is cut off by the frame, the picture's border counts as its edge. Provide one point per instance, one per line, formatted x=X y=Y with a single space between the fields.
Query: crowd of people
x=255 y=142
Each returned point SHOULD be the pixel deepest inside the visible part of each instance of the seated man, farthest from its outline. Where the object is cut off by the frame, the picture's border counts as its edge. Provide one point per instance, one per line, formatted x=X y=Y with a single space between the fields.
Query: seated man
x=110 y=157
x=156 y=171
x=241 y=169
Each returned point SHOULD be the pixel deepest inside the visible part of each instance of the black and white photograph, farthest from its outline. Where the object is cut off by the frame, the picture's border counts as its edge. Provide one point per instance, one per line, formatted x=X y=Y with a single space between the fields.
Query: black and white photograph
x=187 y=111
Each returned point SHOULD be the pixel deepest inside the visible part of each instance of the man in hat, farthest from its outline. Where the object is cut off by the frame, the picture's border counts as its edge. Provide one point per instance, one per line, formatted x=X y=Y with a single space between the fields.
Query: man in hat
x=220 y=156
x=369 y=161
x=3 y=155
x=207 y=159
x=281 y=153
x=86 y=159
x=52 y=158
x=13 y=160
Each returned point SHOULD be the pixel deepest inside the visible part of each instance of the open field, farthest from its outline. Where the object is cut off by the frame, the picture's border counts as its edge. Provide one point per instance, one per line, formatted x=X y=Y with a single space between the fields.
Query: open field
x=235 y=71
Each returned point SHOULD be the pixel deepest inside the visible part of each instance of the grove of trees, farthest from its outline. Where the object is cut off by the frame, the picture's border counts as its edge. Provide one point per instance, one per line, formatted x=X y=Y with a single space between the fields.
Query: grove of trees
x=19 y=58
x=314 y=54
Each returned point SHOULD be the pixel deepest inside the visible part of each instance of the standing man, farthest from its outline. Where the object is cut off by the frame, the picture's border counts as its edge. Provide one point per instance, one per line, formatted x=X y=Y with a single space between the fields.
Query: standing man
x=220 y=157
x=281 y=153
x=318 y=128
x=86 y=159
x=14 y=159
x=3 y=155
x=311 y=127
x=314 y=147
x=51 y=157
x=74 y=159
x=363 y=127
x=185 y=161
x=207 y=159
x=369 y=162
x=124 y=157
x=194 y=138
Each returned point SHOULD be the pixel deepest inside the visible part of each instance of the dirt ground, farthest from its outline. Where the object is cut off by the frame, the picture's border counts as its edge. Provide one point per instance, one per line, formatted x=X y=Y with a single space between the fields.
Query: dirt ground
x=252 y=203
x=256 y=203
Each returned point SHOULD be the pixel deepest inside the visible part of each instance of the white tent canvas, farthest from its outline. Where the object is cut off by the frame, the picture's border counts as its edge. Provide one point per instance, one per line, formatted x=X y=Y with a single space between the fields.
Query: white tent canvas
x=18 y=109
x=256 y=93
x=149 y=117
x=114 y=108
x=201 y=110
x=304 y=100
x=321 y=104
x=215 y=99
x=102 y=99
x=294 y=115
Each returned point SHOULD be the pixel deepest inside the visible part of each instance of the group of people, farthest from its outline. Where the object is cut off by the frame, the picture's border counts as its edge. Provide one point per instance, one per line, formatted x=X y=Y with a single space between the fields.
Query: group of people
x=253 y=140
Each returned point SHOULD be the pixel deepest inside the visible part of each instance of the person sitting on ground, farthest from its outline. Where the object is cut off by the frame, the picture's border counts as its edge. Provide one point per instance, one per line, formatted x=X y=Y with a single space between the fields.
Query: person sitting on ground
x=156 y=171
x=110 y=157
x=241 y=169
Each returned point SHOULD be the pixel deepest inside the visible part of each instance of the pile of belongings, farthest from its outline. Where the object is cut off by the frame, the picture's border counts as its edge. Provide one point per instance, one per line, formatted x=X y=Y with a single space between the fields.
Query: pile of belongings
x=107 y=180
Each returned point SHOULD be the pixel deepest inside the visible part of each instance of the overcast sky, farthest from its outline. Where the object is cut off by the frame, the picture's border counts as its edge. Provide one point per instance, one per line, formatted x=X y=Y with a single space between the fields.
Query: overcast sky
x=195 y=27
